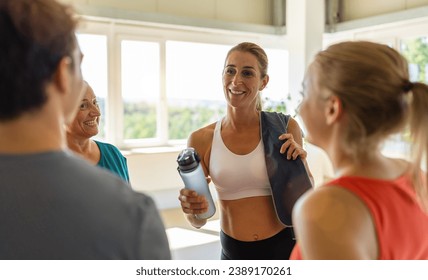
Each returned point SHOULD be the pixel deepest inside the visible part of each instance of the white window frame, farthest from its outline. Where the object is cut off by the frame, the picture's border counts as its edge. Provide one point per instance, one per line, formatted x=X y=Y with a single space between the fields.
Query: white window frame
x=161 y=118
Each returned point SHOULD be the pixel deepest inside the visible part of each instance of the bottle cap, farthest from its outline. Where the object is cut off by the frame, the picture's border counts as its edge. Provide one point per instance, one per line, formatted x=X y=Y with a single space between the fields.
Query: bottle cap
x=188 y=159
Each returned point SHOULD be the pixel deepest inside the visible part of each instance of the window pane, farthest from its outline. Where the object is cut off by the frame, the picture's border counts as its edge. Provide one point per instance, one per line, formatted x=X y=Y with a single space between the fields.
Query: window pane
x=194 y=86
x=416 y=52
x=94 y=70
x=140 y=88
x=276 y=96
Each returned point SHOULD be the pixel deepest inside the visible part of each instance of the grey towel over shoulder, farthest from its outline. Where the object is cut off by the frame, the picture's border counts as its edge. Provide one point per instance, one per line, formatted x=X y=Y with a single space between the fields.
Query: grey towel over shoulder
x=288 y=178
x=56 y=206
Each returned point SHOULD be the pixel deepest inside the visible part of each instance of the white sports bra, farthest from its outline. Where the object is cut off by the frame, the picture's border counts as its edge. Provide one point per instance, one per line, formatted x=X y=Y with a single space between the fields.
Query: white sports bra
x=237 y=176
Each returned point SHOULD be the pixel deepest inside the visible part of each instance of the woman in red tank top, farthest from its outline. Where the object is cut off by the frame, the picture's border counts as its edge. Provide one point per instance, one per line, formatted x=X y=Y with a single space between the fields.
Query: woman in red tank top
x=356 y=94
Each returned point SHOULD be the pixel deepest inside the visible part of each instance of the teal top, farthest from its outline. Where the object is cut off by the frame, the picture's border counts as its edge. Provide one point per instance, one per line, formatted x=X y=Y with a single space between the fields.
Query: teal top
x=112 y=159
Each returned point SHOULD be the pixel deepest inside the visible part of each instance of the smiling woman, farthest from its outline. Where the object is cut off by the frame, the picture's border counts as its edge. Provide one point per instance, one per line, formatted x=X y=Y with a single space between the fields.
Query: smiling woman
x=234 y=156
x=84 y=126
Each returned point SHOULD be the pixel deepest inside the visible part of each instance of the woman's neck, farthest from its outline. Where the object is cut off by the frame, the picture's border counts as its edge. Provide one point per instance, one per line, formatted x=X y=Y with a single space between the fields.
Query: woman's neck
x=84 y=147
x=241 y=119
x=87 y=148
x=375 y=165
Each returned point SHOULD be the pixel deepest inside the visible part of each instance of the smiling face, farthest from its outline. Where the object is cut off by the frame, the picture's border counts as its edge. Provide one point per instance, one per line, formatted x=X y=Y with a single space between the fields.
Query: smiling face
x=242 y=79
x=85 y=124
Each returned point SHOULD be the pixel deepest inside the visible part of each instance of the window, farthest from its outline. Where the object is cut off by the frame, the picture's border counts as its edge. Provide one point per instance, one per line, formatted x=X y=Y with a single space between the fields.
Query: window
x=276 y=96
x=155 y=91
x=194 y=86
x=140 y=80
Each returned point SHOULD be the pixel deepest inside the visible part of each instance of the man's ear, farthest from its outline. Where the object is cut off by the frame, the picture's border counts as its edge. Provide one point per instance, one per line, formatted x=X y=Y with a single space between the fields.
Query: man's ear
x=62 y=74
x=333 y=109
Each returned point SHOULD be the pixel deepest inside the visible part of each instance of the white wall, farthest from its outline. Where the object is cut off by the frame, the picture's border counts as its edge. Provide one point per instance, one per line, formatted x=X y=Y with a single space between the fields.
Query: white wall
x=244 y=11
x=154 y=171
x=353 y=9
x=151 y=171
x=388 y=33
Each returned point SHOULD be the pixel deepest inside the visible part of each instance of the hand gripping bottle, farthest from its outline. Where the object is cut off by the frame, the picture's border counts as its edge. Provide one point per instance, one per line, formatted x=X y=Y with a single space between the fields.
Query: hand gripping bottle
x=193 y=177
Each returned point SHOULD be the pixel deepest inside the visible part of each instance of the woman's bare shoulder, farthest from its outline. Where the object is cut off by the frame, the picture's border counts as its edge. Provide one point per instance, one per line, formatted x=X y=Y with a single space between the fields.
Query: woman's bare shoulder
x=202 y=134
x=331 y=221
x=201 y=138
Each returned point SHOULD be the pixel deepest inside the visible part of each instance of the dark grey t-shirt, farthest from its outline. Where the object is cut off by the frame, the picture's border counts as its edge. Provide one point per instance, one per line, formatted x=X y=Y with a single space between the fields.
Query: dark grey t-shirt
x=54 y=205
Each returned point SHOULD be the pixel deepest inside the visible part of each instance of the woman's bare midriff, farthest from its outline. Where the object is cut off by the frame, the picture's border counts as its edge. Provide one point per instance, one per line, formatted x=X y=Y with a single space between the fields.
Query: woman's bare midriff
x=250 y=219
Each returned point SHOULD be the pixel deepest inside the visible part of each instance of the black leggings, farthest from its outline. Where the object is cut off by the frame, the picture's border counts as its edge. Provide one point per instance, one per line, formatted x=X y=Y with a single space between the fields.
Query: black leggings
x=277 y=247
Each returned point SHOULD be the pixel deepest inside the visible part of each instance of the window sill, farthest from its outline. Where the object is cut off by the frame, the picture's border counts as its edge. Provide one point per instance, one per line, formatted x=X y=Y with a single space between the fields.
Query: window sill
x=154 y=150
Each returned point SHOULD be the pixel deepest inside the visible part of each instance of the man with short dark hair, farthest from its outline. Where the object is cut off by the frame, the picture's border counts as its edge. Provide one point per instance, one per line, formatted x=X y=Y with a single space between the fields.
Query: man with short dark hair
x=54 y=205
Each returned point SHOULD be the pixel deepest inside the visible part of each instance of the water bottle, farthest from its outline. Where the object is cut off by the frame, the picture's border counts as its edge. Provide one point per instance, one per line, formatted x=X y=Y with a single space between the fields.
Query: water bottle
x=193 y=176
